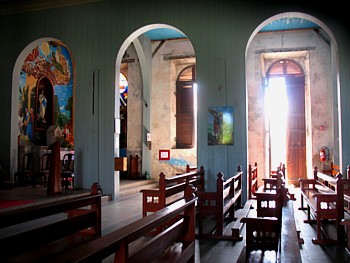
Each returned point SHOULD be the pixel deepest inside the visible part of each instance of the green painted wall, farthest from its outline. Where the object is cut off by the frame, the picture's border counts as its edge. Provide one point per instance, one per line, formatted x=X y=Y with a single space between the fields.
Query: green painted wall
x=219 y=32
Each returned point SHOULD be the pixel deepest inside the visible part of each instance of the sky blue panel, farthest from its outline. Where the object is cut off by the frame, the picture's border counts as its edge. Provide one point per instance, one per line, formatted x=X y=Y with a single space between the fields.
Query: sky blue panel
x=163 y=33
x=289 y=24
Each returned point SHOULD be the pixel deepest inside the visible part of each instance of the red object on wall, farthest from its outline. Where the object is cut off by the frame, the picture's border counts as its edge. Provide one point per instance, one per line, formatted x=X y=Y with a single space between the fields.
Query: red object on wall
x=324 y=154
x=164 y=154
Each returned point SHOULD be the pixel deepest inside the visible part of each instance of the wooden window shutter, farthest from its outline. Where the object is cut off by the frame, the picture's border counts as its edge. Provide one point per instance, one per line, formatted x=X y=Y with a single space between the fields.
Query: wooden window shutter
x=184 y=117
x=184 y=109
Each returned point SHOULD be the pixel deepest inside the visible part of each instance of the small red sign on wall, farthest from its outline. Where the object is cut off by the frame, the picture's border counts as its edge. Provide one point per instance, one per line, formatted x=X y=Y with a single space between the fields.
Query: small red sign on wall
x=164 y=154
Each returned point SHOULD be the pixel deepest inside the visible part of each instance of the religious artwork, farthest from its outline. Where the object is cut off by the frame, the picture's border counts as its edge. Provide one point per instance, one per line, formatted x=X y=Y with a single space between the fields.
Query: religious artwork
x=46 y=95
x=220 y=125
x=123 y=89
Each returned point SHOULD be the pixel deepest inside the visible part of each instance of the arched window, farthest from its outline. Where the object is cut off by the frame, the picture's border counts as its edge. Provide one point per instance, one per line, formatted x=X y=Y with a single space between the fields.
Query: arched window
x=185 y=108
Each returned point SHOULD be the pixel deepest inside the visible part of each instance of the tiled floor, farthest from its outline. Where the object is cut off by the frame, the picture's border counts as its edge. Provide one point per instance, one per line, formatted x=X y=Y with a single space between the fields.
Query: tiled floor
x=117 y=213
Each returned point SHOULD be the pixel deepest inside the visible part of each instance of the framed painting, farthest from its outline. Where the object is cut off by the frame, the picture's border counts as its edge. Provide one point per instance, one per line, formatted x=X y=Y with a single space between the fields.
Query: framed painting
x=220 y=125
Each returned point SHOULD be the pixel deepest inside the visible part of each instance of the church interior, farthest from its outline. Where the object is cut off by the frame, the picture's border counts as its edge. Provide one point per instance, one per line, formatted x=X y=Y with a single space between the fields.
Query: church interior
x=111 y=100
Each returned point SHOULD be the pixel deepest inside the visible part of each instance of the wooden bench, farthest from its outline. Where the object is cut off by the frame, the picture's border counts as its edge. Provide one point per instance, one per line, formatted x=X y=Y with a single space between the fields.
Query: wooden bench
x=267 y=203
x=170 y=189
x=190 y=168
x=252 y=180
x=332 y=170
x=268 y=227
x=324 y=204
x=272 y=183
x=347 y=192
x=37 y=232
x=277 y=240
x=131 y=243
x=221 y=205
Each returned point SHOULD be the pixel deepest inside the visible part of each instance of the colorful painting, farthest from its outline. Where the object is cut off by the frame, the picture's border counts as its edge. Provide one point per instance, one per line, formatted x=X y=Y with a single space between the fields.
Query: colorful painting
x=220 y=125
x=46 y=95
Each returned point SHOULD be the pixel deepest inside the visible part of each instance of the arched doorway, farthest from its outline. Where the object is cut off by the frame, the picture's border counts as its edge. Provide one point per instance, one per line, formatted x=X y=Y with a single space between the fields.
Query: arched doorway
x=285 y=114
x=313 y=51
x=152 y=67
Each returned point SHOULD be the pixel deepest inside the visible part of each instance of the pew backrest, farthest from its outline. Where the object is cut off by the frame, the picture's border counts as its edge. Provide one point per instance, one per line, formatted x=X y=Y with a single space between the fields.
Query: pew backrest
x=124 y=243
x=171 y=189
x=252 y=180
x=68 y=221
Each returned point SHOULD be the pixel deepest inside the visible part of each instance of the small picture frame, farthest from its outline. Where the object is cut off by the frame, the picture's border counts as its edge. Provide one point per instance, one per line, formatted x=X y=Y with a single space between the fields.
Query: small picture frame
x=164 y=155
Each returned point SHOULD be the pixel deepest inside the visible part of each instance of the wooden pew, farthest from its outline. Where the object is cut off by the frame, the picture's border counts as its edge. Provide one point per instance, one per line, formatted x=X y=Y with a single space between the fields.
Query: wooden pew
x=273 y=183
x=324 y=203
x=132 y=243
x=346 y=224
x=68 y=223
x=332 y=170
x=252 y=180
x=347 y=191
x=268 y=225
x=276 y=180
x=190 y=168
x=221 y=205
x=170 y=189
x=267 y=203
x=329 y=181
x=277 y=240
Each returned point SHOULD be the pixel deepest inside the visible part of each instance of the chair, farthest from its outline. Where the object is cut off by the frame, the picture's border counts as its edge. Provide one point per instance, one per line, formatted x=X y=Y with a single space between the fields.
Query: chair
x=67 y=174
x=27 y=168
x=45 y=162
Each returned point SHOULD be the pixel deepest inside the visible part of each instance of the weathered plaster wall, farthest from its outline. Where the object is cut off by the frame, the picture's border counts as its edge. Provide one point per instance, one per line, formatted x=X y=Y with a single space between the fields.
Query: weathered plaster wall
x=165 y=72
x=134 y=107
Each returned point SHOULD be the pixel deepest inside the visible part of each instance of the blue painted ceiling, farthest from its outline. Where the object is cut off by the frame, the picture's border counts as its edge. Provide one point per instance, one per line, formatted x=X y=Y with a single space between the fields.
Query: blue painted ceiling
x=290 y=23
x=164 y=34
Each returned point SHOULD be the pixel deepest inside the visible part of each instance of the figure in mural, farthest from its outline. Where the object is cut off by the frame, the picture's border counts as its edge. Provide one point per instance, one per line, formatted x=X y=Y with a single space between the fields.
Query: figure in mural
x=25 y=121
x=20 y=122
x=43 y=105
x=220 y=125
x=217 y=125
x=30 y=125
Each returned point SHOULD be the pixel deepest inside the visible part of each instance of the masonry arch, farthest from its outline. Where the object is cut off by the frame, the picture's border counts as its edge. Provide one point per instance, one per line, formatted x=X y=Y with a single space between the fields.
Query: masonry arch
x=148 y=48
x=51 y=52
x=322 y=102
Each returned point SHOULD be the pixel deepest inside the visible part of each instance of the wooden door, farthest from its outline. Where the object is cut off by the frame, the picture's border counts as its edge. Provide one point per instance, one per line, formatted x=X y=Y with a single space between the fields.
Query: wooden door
x=296 y=129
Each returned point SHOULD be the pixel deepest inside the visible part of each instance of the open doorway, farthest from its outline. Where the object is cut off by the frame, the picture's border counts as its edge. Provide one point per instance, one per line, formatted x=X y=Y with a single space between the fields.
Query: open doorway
x=276 y=106
x=285 y=115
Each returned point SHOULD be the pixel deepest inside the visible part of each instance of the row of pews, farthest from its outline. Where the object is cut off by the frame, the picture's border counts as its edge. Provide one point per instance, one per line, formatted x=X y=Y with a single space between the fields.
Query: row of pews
x=271 y=230
x=174 y=214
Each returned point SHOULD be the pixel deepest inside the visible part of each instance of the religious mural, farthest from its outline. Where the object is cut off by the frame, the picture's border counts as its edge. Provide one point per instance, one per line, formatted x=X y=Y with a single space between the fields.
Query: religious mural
x=220 y=125
x=46 y=96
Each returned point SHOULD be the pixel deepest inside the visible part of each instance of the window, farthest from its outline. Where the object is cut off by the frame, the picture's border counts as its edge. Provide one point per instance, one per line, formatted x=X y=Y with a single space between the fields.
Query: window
x=185 y=108
x=123 y=89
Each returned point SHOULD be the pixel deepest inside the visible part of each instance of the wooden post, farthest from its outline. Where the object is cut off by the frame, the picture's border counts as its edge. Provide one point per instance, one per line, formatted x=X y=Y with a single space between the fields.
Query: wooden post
x=54 y=180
